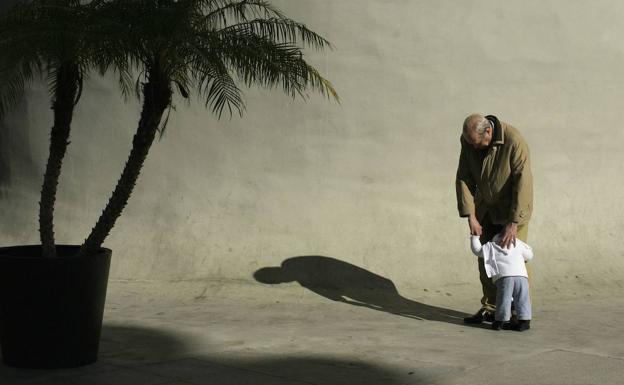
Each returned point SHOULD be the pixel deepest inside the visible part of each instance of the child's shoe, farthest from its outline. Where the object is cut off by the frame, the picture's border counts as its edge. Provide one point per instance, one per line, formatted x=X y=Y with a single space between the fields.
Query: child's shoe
x=523 y=325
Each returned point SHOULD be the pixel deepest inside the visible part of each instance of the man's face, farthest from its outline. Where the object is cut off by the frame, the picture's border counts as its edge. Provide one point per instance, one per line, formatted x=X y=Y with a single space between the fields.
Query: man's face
x=477 y=141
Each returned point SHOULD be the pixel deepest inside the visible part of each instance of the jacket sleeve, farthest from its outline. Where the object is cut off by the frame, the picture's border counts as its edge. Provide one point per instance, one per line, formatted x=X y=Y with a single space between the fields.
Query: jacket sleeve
x=527 y=252
x=475 y=246
x=522 y=184
x=465 y=185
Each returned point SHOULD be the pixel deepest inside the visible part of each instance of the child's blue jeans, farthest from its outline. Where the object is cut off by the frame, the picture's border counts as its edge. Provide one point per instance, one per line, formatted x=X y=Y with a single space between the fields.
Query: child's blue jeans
x=516 y=289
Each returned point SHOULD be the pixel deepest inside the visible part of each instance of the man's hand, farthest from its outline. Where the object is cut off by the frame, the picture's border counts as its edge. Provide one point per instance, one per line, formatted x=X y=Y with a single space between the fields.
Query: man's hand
x=475 y=226
x=509 y=235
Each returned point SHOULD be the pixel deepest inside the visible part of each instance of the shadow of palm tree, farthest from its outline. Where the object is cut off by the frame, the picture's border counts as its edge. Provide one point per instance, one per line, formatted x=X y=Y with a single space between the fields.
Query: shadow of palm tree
x=5 y=170
x=344 y=282
x=15 y=143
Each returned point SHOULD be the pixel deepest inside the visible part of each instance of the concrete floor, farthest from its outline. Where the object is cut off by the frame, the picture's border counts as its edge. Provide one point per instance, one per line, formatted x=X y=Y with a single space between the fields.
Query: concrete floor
x=242 y=333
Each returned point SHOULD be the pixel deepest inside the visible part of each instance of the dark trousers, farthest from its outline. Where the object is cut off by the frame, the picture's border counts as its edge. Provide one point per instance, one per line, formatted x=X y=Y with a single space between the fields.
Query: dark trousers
x=489 y=231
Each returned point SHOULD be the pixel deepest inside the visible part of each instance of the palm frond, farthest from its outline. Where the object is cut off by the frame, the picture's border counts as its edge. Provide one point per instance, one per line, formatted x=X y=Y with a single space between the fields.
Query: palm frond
x=138 y=84
x=224 y=12
x=318 y=82
x=217 y=87
x=45 y=32
x=280 y=30
x=161 y=129
x=126 y=84
x=53 y=72
x=80 y=87
x=19 y=62
x=223 y=93
x=182 y=81
x=13 y=82
x=258 y=60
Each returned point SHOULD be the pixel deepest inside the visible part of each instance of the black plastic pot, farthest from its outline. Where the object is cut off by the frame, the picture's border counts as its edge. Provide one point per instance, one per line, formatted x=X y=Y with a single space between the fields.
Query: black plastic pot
x=51 y=309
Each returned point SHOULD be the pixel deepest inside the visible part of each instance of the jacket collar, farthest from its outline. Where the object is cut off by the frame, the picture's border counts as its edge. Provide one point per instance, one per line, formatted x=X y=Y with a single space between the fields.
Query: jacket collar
x=499 y=131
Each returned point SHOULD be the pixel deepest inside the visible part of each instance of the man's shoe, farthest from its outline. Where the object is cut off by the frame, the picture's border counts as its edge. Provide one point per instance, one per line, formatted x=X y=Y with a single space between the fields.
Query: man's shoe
x=480 y=316
x=523 y=325
x=496 y=325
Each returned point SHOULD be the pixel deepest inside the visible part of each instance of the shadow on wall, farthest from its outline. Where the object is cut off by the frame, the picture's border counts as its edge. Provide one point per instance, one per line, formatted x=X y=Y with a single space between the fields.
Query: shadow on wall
x=6 y=4
x=5 y=170
x=16 y=157
x=344 y=282
x=134 y=355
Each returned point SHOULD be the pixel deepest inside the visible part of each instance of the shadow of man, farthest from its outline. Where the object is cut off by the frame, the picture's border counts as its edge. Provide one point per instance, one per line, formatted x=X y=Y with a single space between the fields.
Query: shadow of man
x=344 y=282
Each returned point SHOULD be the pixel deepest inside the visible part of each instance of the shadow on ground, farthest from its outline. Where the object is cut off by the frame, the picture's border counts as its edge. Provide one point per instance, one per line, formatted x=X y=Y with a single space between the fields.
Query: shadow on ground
x=344 y=282
x=134 y=355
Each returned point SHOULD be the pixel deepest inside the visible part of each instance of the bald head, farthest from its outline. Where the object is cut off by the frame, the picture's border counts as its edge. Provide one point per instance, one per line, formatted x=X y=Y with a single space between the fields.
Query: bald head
x=477 y=131
x=477 y=123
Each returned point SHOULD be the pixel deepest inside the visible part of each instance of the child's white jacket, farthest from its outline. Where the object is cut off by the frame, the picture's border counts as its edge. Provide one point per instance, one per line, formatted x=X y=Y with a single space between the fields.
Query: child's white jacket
x=502 y=262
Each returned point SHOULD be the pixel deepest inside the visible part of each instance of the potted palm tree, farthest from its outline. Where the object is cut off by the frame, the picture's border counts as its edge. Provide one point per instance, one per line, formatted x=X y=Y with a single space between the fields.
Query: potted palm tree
x=207 y=46
x=51 y=304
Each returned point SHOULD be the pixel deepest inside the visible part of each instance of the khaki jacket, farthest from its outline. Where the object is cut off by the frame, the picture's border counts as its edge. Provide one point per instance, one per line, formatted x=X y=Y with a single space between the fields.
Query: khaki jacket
x=497 y=180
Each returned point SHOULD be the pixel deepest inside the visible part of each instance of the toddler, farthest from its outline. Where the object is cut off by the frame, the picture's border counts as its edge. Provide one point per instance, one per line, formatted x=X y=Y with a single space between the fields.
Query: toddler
x=506 y=268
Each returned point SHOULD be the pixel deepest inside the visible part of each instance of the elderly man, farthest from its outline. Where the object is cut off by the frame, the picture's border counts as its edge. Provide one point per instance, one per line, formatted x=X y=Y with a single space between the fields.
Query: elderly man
x=494 y=191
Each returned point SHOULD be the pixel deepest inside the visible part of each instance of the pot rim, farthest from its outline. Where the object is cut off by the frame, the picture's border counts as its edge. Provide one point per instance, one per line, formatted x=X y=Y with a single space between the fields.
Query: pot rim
x=68 y=248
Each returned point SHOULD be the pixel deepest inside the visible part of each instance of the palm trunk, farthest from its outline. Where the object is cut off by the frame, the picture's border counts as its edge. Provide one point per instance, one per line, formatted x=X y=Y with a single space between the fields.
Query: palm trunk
x=63 y=106
x=156 y=99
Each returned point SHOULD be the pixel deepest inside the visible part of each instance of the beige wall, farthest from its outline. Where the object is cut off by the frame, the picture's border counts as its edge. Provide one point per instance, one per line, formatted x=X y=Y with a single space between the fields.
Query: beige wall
x=371 y=181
